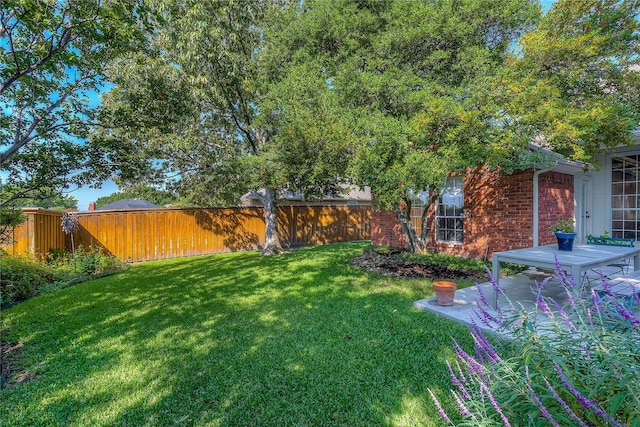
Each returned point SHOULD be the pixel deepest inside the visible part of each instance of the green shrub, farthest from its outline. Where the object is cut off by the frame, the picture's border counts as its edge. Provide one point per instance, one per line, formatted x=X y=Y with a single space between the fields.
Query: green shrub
x=22 y=278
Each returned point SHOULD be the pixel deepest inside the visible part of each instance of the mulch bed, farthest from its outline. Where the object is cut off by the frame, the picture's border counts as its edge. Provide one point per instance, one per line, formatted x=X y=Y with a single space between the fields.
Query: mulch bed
x=390 y=263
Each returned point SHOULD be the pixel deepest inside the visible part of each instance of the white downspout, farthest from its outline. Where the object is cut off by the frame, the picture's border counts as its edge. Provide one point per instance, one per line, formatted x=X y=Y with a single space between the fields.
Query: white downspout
x=536 y=175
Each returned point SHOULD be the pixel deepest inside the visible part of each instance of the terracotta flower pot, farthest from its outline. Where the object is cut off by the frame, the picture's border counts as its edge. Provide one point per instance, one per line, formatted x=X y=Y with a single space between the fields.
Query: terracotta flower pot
x=445 y=292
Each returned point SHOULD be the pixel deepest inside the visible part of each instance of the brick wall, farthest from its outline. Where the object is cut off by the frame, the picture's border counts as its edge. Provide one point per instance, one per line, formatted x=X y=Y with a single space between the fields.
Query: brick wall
x=498 y=213
x=555 y=201
x=386 y=229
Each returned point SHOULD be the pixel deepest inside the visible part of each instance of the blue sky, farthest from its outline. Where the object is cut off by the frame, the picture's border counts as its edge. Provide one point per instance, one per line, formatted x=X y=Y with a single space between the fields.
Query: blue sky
x=85 y=195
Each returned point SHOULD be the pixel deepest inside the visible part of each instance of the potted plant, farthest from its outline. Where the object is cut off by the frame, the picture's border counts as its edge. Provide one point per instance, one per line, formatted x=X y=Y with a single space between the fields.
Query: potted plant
x=445 y=292
x=565 y=233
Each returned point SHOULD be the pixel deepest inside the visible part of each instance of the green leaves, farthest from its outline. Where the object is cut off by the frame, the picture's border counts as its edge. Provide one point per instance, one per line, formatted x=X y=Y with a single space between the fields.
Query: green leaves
x=574 y=80
x=52 y=59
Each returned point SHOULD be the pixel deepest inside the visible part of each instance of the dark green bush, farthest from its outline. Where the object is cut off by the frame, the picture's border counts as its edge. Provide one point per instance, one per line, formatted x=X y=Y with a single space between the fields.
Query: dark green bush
x=23 y=278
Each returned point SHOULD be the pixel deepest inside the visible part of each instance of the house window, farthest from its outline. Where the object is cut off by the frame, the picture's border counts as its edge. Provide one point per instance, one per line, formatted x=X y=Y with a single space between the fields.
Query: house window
x=625 y=207
x=418 y=202
x=450 y=212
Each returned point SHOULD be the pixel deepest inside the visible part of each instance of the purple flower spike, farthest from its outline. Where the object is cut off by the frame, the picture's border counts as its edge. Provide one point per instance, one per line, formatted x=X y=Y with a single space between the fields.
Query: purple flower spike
x=483 y=297
x=564 y=280
x=572 y=301
x=564 y=405
x=484 y=349
x=485 y=317
x=456 y=382
x=544 y=307
x=565 y=316
x=492 y=280
x=439 y=407
x=495 y=405
x=463 y=379
x=544 y=412
x=473 y=366
x=463 y=408
x=585 y=402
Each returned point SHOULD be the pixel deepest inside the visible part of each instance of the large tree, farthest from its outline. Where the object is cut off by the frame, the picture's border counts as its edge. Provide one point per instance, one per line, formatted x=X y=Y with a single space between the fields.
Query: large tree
x=441 y=87
x=52 y=57
x=417 y=76
x=211 y=116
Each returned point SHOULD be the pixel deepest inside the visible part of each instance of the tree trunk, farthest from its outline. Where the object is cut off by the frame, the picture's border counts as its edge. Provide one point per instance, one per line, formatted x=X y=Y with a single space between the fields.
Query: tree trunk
x=272 y=245
x=425 y=219
x=403 y=212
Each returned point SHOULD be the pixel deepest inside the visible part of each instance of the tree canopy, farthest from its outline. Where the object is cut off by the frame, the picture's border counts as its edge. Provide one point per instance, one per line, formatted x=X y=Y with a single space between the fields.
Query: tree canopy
x=204 y=109
x=417 y=77
x=150 y=194
x=52 y=58
x=575 y=79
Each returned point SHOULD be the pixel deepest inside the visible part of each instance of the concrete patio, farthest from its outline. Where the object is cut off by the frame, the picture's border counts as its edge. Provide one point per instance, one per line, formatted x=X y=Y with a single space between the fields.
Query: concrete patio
x=517 y=288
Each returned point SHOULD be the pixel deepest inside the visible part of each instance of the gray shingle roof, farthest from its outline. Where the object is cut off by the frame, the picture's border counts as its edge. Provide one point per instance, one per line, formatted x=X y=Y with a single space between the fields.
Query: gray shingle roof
x=129 y=204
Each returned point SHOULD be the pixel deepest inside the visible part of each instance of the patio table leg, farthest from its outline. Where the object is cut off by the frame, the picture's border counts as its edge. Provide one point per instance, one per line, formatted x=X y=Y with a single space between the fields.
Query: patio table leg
x=576 y=270
x=496 y=277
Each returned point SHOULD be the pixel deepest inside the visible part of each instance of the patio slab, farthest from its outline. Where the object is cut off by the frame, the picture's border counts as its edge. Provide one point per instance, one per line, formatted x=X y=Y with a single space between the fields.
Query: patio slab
x=518 y=288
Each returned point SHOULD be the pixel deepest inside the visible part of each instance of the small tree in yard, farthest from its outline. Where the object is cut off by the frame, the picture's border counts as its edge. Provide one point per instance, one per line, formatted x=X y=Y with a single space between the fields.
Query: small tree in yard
x=574 y=79
x=210 y=109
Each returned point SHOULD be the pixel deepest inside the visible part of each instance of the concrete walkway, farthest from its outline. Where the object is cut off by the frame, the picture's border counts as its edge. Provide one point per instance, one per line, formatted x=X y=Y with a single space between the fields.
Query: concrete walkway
x=518 y=288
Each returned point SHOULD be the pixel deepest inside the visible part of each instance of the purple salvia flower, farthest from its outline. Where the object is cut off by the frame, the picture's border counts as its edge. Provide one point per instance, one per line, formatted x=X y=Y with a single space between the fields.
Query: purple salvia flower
x=483 y=297
x=456 y=382
x=439 y=407
x=463 y=408
x=626 y=314
x=544 y=412
x=483 y=346
x=636 y=298
x=562 y=275
x=564 y=405
x=590 y=317
x=597 y=302
x=473 y=367
x=542 y=306
x=495 y=405
x=572 y=301
x=485 y=317
x=492 y=280
x=585 y=402
x=461 y=376
x=565 y=316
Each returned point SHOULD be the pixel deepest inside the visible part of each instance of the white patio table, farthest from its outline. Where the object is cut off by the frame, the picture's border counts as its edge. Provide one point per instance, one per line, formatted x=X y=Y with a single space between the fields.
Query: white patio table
x=580 y=259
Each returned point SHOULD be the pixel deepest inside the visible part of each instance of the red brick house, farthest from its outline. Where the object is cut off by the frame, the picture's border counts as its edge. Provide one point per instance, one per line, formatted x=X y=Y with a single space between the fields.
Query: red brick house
x=483 y=212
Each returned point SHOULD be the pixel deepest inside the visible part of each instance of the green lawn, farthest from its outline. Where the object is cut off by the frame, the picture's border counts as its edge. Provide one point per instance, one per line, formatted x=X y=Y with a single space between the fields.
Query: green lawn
x=234 y=339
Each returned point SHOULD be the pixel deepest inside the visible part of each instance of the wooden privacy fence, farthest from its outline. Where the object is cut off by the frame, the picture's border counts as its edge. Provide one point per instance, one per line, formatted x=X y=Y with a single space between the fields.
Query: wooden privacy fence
x=149 y=234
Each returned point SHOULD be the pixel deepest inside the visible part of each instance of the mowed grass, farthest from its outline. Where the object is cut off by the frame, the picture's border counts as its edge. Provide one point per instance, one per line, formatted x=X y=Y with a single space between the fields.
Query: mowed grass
x=299 y=339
